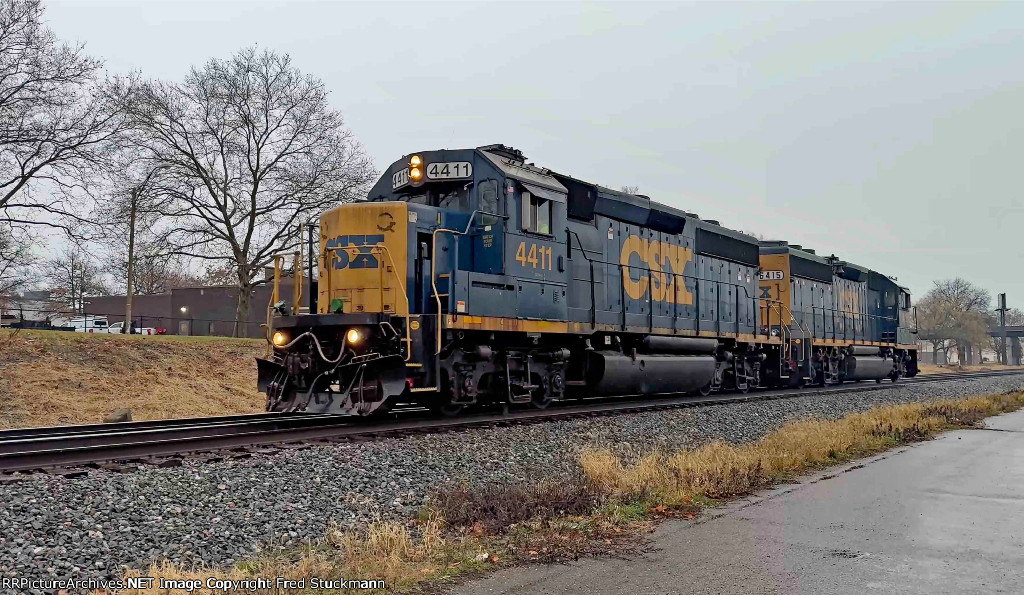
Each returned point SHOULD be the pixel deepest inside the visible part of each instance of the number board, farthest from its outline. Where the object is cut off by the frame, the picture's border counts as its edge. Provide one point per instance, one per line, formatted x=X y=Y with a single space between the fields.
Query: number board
x=449 y=170
x=400 y=178
x=770 y=276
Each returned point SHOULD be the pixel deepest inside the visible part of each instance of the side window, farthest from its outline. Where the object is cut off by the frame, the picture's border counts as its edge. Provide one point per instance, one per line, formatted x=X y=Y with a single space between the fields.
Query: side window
x=536 y=214
x=488 y=201
x=542 y=207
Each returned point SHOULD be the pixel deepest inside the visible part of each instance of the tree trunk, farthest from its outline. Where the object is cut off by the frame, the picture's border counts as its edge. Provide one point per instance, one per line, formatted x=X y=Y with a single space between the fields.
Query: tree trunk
x=130 y=281
x=241 y=328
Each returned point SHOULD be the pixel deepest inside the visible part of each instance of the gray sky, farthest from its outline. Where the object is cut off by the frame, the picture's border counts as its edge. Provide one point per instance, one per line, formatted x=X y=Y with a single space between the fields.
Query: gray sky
x=889 y=134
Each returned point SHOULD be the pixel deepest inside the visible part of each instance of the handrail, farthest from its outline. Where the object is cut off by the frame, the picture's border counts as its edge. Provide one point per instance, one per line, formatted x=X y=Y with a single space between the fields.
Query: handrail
x=853 y=317
x=433 y=264
x=275 y=296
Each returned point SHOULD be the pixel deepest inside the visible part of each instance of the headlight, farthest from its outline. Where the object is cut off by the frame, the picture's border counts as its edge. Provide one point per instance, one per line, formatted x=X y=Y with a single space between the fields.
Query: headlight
x=280 y=338
x=415 y=174
x=415 y=161
x=353 y=336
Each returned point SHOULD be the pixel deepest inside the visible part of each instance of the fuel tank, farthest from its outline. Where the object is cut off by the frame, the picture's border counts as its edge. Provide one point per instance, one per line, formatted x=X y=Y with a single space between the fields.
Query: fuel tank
x=612 y=373
x=863 y=367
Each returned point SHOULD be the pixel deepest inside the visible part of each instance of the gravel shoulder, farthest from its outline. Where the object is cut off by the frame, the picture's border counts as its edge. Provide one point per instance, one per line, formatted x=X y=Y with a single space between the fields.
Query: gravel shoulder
x=222 y=512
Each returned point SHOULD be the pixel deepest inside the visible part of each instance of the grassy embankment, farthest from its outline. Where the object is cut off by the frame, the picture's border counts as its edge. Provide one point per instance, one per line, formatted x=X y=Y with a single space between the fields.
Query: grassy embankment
x=467 y=530
x=58 y=378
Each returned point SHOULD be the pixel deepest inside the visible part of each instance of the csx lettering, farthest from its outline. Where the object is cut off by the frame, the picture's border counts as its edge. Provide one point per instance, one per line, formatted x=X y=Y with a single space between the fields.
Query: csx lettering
x=359 y=257
x=666 y=262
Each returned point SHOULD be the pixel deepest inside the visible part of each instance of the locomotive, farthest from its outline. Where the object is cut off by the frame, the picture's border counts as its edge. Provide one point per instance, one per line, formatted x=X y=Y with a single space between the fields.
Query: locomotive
x=472 y=277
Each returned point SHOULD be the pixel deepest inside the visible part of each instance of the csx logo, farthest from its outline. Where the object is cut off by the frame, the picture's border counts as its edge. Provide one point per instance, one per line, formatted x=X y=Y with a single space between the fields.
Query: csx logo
x=666 y=262
x=360 y=257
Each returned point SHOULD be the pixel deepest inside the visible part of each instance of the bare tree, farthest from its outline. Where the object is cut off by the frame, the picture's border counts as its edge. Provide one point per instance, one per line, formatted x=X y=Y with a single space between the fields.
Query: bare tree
x=56 y=117
x=15 y=257
x=954 y=314
x=248 y=148
x=153 y=272
x=631 y=189
x=72 y=277
x=127 y=216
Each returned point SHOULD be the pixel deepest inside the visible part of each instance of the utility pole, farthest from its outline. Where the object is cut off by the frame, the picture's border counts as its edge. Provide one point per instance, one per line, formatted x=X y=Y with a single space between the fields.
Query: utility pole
x=1002 y=329
x=130 y=281
x=133 y=212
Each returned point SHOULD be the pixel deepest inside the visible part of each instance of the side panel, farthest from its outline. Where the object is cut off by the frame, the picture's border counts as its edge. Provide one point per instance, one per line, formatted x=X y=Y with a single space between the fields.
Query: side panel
x=535 y=264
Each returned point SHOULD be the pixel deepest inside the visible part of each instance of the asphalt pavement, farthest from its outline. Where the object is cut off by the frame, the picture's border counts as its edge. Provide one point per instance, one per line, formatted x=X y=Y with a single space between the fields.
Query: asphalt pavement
x=943 y=516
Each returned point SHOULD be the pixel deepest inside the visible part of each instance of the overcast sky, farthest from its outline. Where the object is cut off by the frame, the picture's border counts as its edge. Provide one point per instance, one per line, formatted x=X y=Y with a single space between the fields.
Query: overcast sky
x=889 y=134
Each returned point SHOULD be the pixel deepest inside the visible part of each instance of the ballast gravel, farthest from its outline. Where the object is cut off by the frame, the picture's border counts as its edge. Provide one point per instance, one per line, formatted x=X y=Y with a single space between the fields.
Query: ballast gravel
x=217 y=513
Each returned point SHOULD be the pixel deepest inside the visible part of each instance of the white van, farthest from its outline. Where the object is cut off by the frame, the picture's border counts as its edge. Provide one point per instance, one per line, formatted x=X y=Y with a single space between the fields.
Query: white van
x=89 y=324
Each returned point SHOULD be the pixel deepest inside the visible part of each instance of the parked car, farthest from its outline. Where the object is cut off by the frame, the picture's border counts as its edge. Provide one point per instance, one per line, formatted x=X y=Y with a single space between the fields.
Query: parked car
x=118 y=327
x=89 y=324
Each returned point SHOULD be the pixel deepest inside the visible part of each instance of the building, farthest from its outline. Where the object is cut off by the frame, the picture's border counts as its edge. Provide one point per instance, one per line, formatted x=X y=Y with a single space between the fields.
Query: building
x=198 y=311
x=32 y=309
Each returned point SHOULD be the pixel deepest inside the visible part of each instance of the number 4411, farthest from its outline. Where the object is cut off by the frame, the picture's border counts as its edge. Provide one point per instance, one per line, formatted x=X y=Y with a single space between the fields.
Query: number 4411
x=545 y=254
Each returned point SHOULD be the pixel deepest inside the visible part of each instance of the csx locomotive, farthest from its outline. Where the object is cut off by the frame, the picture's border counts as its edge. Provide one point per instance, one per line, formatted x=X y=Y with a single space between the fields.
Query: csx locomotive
x=471 y=277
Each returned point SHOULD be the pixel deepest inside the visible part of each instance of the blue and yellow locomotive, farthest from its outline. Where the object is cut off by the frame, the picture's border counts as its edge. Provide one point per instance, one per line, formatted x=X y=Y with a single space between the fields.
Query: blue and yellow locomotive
x=472 y=277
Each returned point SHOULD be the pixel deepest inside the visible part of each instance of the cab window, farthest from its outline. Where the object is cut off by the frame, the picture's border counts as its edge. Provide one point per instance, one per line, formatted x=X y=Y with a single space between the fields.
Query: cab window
x=488 y=201
x=536 y=214
x=456 y=199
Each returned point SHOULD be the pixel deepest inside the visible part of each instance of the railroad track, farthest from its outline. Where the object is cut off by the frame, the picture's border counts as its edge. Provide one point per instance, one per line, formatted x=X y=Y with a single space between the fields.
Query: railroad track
x=162 y=442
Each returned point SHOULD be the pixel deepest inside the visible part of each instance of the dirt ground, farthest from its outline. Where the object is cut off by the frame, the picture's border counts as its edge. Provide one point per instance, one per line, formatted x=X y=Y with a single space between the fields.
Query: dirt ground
x=955 y=369
x=59 y=378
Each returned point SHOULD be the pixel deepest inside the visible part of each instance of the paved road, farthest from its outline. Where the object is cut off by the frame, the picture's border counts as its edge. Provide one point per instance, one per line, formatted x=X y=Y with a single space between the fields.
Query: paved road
x=945 y=516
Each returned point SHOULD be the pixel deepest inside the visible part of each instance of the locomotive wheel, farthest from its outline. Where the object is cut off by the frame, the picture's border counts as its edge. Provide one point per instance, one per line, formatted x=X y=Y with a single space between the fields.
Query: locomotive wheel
x=541 y=399
x=441 y=401
x=742 y=389
x=705 y=390
x=447 y=410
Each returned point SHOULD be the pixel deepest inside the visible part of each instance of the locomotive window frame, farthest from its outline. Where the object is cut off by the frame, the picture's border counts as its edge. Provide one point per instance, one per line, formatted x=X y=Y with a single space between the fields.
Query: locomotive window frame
x=536 y=214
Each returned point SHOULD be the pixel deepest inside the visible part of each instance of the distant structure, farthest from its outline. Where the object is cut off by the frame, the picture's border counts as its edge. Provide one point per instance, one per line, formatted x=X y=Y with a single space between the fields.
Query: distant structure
x=31 y=309
x=197 y=311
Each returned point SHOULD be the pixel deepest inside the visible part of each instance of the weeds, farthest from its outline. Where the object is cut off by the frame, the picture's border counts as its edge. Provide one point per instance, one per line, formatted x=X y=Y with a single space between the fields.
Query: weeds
x=720 y=470
x=494 y=507
x=397 y=554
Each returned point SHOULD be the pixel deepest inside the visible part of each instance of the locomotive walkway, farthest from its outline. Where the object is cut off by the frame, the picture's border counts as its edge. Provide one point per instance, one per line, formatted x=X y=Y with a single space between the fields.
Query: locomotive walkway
x=945 y=516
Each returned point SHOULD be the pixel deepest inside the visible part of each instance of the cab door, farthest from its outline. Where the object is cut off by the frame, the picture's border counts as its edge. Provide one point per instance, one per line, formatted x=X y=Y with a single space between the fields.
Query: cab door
x=488 y=230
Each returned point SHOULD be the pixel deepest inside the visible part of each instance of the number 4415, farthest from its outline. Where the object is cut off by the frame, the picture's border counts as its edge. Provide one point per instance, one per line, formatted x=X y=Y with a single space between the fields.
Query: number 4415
x=545 y=254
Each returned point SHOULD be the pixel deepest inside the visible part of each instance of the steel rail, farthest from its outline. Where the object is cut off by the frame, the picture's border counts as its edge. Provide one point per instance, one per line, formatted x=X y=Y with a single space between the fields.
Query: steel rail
x=210 y=434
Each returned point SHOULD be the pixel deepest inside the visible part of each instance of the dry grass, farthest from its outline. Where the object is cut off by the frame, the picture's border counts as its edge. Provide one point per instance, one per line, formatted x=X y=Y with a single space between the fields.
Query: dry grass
x=494 y=507
x=59 y=378
x=720 y=470
x=928 y=369
x=602 y=513
x=396 y=554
